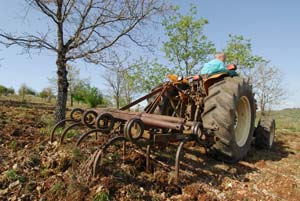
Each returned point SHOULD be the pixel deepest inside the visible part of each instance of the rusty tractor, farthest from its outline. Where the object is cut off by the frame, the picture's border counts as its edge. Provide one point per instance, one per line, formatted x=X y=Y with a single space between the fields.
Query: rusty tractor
x=216 y=112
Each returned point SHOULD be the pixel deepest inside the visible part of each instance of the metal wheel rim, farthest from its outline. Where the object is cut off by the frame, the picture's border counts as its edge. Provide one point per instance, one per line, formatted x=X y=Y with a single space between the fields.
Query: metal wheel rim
x=272 y=134
x=243 y=121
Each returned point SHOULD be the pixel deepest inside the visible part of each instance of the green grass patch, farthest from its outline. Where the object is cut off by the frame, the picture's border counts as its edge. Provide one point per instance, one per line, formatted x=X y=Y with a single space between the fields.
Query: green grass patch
x=57 y=188
x=72 y=133
x=13 y=145
x=287 y=119
x=103 y=196
x=12 y=175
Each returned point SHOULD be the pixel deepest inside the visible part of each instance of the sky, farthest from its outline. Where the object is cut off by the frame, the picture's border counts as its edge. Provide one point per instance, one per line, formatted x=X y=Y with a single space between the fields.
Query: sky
x=273 y=27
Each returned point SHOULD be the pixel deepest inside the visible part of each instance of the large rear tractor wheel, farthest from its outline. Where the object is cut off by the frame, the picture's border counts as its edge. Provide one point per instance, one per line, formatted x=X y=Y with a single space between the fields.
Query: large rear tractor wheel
x=265 y=133
x=230 y=107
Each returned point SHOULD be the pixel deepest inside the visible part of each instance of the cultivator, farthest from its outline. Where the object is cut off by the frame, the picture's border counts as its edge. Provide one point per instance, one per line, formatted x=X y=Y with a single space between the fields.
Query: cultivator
x=146 y=129
x=177 y=113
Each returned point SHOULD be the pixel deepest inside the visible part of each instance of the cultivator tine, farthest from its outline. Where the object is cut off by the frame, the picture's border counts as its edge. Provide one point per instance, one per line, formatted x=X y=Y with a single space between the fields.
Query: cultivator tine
x=148 y=152
x=66 y=130
x=177 y=159
x=75 y=116
x=98 y=159
x=84 y=135
x=56 y=126
x=101 y=152
x=124 y=151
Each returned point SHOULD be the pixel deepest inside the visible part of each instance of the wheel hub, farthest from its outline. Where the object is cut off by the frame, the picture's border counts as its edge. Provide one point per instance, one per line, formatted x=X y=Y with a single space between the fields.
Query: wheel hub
x=242 y=121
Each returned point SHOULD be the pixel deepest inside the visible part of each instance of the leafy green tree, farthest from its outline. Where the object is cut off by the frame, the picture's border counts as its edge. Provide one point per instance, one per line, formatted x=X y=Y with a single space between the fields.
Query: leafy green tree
x=6 y=91
x=187 y=46
x=47 y=94
x=107 y=102
x=239 y=52
x=3 y=90
x=73 y=79
x=132 y=79
x=25 y=90
x=146 y=75
x=83 y=92
x=10 y=91
x=142 y=76
x=125 y=80
x=80 y=91
x=93 y=97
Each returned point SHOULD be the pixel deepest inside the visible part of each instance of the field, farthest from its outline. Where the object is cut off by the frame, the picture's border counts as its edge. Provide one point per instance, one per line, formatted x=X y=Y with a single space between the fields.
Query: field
x=31 y=168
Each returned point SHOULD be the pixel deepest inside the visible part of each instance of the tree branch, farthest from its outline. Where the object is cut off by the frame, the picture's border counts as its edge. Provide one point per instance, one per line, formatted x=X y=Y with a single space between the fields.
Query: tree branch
x=29 y=41
x=111 y=43
x=46 y=10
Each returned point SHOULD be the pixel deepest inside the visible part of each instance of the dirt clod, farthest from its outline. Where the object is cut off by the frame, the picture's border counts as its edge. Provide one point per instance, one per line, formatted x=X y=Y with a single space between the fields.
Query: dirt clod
x=16 y=132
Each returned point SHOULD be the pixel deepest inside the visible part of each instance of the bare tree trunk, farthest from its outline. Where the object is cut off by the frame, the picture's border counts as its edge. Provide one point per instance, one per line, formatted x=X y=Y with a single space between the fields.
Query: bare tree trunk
x=23 y=96
x=262 y=108
x=62 y=82
x=187 y=72
x=71 y=95
x=118 y=102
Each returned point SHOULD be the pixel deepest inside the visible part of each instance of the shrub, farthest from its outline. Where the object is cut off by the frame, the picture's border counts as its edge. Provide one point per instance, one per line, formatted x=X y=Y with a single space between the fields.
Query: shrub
x=83 y=92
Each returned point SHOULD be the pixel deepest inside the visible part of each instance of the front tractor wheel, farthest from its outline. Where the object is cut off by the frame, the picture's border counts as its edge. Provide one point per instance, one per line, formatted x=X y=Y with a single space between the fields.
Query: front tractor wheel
x=230 y=107
x=265 y=133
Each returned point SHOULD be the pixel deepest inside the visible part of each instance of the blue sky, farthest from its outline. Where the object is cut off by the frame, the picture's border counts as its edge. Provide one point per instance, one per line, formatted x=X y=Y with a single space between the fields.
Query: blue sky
x=273 y=26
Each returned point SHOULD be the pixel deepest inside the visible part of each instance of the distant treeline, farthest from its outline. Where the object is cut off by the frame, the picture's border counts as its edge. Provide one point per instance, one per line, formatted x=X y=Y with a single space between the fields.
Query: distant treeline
x=6 y=91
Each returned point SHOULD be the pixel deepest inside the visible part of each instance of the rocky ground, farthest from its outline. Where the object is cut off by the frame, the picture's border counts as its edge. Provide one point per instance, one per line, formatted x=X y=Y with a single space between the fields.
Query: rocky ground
x=32 y=168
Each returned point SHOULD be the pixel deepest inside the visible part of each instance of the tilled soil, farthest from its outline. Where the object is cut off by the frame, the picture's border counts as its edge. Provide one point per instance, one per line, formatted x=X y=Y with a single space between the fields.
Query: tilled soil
x=32 y=168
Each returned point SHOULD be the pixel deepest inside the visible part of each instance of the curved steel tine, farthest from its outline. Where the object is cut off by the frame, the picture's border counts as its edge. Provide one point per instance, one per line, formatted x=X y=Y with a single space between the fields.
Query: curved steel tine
x=101 y=152
x=67 y=129
x=84 y=135
x=124 y=151
x=98 y=158
x=148 y=152
x=57 y=126
x=178 y=158
x=96 y=130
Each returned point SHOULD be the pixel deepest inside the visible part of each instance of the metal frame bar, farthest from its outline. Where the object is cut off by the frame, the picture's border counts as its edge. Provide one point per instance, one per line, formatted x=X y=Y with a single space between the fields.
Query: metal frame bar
x=142 y=98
